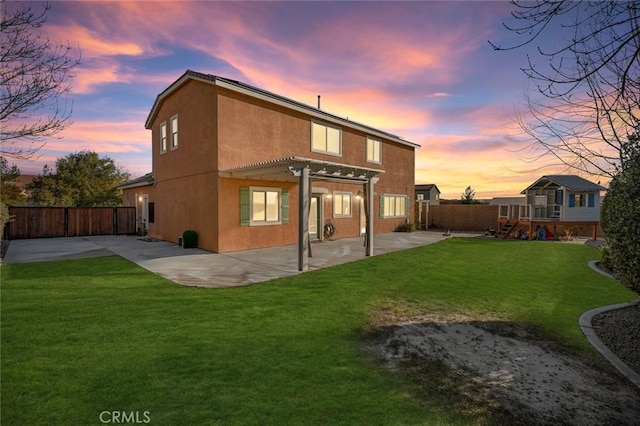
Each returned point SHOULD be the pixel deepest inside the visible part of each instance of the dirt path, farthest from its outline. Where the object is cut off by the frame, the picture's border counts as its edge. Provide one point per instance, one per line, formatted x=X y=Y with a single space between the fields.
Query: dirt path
x=512 y=370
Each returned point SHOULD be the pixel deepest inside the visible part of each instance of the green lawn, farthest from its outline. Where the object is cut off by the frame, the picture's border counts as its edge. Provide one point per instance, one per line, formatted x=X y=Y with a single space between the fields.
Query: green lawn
x=81 y=337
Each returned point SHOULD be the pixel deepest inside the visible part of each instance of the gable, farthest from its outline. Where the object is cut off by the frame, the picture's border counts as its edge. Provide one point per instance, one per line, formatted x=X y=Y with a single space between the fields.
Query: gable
x=569 y=182
x=270 y=98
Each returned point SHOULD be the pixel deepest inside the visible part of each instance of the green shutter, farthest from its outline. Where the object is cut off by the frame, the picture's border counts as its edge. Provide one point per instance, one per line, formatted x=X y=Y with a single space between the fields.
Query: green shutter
x=284 y=205
x=245 y=207
x=406 y=206
x=382 y=206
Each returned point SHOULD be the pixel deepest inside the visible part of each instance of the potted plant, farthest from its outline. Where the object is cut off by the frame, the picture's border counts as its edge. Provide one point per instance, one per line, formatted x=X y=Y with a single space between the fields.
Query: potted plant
x=190 y=239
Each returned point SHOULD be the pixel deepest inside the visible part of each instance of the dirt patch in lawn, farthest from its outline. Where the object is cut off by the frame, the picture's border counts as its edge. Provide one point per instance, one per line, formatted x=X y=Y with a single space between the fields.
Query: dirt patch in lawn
x=500 y=373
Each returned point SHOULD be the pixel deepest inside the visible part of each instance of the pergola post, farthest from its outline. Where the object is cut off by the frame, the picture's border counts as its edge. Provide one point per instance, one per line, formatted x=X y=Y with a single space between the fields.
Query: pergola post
x=369 y=199
x=303 y=219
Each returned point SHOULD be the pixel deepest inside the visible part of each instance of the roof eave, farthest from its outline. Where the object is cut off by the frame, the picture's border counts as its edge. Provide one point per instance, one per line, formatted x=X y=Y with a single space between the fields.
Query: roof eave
x=271 y=98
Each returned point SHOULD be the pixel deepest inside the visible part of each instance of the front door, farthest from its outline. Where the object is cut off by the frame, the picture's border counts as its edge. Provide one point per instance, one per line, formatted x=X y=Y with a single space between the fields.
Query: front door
x=143 y=216
x=314 y=218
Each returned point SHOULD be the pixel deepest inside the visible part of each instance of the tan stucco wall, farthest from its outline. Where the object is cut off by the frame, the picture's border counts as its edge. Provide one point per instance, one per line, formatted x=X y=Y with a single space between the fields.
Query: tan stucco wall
x=265 y=132
x=189 y=195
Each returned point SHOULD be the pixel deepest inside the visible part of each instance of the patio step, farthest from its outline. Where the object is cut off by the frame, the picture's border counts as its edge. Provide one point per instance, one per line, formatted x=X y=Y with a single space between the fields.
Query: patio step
x=506 y=229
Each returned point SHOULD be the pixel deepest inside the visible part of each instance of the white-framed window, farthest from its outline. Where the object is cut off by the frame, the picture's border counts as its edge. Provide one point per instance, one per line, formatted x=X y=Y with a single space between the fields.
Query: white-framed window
x=265 y=206
x=342 y=204
x=582 y=200
x=174 y=132
x=392 y=205
x=163 y=137
x=326 y=139
x=374 y=150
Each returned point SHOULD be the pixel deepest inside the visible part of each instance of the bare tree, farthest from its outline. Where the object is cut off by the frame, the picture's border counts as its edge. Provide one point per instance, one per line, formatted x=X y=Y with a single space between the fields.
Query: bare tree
x=584 y=99
x=35 y=76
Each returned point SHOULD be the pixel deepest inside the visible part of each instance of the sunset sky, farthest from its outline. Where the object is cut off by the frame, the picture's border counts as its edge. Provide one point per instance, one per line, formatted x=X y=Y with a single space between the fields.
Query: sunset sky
x=421 y=70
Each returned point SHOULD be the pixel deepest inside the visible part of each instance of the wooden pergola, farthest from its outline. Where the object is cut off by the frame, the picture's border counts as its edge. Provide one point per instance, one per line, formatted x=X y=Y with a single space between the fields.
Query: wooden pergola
x=304 y=171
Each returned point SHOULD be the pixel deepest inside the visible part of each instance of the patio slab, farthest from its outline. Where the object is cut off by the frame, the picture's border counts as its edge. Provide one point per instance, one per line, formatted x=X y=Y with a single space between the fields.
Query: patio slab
x=200 y=268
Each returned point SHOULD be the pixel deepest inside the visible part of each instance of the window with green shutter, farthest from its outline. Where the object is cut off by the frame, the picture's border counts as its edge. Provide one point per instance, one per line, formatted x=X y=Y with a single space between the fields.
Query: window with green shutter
x=394 y=205
x=284 y=206
x=263 y=206
x=245 y=206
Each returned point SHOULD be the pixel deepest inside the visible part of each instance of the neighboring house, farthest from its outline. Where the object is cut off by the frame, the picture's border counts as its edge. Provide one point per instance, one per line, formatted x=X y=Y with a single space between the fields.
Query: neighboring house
x=554 y=200
x=22 y=182
x=497 y=201
x=428 y=192
x=246 y=168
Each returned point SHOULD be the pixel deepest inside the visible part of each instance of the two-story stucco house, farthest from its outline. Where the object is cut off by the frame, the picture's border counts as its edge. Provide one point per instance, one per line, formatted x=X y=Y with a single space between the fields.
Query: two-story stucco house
x=246 y=168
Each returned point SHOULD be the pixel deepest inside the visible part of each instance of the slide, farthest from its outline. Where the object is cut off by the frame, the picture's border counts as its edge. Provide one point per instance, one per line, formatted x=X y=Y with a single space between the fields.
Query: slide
x=548 y=234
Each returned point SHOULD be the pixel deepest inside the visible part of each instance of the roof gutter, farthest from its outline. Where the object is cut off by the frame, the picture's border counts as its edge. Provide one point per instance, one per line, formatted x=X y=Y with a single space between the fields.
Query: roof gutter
x=273 y=99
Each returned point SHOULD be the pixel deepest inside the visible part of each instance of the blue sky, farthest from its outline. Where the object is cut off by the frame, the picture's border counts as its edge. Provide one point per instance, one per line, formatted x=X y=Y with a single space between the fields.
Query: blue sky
x=421 y=70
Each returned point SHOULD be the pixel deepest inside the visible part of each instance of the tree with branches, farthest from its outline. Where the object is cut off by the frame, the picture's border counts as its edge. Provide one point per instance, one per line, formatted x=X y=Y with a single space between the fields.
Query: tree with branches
x=82 y=179
x=583 y=102
x=35 y=80
x=468 y=196
x=10 y=193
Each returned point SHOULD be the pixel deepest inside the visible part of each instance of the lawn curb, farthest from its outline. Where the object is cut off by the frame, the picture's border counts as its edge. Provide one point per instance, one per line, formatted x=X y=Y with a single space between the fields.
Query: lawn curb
x=587 y=330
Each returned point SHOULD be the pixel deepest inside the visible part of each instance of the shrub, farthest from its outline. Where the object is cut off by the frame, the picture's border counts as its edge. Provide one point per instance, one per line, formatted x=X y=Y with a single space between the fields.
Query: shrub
x=190 y=239
x=621 y=223
x=406 y=227
x=4 y=216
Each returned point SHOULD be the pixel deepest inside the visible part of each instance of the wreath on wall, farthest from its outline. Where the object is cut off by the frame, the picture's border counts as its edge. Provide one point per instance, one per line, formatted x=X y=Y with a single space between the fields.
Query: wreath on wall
x=329 y=229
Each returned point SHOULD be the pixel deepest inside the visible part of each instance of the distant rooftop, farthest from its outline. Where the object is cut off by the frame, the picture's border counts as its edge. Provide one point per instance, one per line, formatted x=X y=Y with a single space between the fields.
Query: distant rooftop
x=570 y=182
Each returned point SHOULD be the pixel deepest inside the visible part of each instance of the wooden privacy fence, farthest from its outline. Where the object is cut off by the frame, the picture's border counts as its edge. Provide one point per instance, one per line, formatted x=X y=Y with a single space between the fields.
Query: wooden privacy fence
x=46 y=222
x=461 y=217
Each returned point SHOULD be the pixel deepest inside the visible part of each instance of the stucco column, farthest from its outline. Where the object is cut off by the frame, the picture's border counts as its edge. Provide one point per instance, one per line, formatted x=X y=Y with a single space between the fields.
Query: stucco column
x=370 y=194
x=303 y=219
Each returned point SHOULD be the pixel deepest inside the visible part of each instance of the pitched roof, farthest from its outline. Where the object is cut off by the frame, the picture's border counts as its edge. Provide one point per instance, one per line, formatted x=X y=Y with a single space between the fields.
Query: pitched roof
x=571 y=182
x=144 y=180
x=427 y=187
x=265 y=95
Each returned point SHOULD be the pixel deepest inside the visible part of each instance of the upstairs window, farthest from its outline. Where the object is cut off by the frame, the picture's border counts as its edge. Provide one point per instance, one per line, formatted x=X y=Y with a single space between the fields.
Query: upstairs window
x=374 y=150
x=326 y=139
x=582 y=200
x=174 y=132
x=163 y=137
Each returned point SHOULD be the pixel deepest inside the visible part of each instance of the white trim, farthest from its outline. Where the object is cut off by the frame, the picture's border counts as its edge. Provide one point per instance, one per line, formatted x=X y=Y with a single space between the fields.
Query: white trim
x=165 y=146
x=369 y=138
x=394 y=197
x=333 y=207
x=172 y=133
x=265 y=222
x=326 y=151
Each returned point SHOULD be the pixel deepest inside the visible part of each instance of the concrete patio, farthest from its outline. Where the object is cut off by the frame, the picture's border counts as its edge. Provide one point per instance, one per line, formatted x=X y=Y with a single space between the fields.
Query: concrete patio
x=199 y=268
